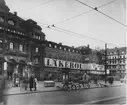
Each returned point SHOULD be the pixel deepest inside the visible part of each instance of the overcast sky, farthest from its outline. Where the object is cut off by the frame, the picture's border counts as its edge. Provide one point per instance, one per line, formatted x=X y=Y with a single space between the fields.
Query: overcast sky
x=93 y=24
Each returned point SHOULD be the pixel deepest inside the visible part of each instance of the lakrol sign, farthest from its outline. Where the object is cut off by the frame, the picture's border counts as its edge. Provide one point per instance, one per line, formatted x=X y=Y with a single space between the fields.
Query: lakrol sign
x=62 y=64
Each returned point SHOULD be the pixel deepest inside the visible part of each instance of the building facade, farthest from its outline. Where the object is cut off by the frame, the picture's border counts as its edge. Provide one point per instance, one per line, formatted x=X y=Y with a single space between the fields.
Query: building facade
x=116 y=61
x=21 y=44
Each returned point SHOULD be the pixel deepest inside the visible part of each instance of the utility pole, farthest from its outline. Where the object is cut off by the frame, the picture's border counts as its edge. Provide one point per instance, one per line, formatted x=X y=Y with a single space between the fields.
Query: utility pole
x=105 y=63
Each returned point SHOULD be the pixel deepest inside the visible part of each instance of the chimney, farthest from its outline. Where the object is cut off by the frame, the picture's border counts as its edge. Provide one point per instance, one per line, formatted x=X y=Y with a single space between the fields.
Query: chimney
x=60 y=43
x=15 y=13
x=88 y=46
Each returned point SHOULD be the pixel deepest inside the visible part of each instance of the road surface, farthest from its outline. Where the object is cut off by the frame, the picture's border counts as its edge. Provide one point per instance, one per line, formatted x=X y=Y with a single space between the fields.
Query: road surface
x=67 y=97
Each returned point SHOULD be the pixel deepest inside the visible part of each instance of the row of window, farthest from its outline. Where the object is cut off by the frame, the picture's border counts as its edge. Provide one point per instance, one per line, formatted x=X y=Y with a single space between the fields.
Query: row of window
x=11 y=22
x=63 y=48
x=21 y=47
x=116 y=52
x=115 y=57
x=116 y=62
x=11 y=46
x=13 y=31
x=21 y=33
x=116 y=67
x=37 y=37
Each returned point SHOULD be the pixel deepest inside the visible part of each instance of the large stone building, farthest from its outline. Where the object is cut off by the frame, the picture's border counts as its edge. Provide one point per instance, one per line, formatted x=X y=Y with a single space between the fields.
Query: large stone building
x=116 y=61
x=21 y=44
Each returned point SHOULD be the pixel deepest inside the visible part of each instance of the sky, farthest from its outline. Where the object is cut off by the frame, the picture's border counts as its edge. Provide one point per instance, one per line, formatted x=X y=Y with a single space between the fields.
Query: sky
x=92 y=24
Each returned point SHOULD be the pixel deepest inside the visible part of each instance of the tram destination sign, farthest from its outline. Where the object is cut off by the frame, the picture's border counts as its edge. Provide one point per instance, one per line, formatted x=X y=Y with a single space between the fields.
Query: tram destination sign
x=49 y=62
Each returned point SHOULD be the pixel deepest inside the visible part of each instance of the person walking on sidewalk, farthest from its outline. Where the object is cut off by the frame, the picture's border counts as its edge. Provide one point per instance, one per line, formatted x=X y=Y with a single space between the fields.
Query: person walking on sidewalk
x=31 y=81
x=25 y=82
x=35 y=83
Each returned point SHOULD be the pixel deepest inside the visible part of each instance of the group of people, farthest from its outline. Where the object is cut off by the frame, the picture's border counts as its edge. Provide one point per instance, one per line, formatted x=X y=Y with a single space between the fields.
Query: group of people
x=32 y=81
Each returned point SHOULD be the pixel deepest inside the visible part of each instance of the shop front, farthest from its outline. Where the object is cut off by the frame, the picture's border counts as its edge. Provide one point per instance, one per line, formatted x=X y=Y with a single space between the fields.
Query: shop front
x=15 y=65
x=57 y=69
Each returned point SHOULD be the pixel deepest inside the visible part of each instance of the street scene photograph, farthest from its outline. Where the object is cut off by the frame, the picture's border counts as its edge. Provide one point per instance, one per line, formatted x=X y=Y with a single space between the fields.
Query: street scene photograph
x=63 y=52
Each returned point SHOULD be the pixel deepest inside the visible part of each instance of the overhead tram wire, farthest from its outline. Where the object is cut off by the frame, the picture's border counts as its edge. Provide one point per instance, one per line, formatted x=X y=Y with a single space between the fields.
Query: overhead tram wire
x=53 y=27
x=81 y=35
x=41 y=4
x=101 y=13
x=84 y=12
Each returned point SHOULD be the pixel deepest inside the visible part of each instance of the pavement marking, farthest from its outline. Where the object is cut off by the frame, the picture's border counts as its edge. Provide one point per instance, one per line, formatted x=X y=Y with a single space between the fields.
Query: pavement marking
x=105 y=99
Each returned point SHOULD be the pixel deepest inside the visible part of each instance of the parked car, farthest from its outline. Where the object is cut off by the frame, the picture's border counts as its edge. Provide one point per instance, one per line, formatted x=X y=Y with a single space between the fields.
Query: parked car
x=123 y=80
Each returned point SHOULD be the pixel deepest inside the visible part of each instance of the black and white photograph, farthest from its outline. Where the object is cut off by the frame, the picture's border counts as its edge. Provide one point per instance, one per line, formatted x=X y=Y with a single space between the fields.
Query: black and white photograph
x=63 y=52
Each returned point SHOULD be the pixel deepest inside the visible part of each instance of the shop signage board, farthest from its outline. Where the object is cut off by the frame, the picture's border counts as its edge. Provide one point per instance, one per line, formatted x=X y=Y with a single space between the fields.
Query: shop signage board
x=94 y=68
x=62 y=64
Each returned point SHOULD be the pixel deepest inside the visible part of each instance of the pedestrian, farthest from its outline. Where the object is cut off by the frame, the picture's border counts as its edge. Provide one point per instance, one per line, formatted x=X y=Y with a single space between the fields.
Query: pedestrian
x=35 y=84
x=25 y=82
x=31 y=81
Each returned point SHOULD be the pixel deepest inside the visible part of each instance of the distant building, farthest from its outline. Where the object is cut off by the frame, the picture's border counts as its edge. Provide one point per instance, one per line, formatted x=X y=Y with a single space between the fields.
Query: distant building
x=116 y=61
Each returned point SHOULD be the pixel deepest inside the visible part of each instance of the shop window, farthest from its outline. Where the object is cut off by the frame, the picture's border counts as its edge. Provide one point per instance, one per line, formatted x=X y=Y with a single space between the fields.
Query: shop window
x=36 y=50
x=11 y=22
x=60 y=48
x=1 y=19
x=20 y=47
x=11 y=46
x=65 y=49
x=69 y=50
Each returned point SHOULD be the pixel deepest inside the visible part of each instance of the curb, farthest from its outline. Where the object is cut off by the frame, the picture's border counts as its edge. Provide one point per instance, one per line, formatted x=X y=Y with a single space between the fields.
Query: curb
x=59 y=90
x=105 y=99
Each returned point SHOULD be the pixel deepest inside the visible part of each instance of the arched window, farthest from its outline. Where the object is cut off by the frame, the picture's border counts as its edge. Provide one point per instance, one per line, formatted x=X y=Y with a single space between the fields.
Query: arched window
x=1 y=19
x=11 y=22
x=11 y=46
x=20 y=47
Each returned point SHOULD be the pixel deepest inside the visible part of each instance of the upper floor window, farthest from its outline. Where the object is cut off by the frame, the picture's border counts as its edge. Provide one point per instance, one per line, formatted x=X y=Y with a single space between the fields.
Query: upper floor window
x=69 y=50
x=11 y=22
x=39 y=37
x=65 y=49
x=50 y=45
x=1 y=19
x=36 y=50
x=11 y=46
x=20 y=47
x=1 y=43
x=122 y=52
x=55 y=46
x=60 y=47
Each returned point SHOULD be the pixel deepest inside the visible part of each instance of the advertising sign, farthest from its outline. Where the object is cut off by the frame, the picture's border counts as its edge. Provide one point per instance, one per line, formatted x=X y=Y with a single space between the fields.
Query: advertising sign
x=62 y=64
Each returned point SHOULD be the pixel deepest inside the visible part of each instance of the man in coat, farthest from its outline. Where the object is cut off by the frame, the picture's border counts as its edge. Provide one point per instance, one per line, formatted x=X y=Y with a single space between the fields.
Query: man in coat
x=31 y=81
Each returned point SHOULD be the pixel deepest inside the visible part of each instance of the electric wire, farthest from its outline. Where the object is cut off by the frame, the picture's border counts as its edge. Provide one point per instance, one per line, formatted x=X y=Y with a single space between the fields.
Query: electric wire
x=53 y=27
x=83 y=35
x=41 y=4
x=84 y=12
x=101 y=12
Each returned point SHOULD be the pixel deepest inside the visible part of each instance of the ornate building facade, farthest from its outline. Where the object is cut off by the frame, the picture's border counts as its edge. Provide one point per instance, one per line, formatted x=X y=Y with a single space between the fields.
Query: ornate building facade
x=21 y=44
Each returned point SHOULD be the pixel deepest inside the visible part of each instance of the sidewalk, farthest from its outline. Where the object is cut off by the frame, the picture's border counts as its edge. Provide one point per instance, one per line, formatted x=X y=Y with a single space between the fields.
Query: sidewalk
x=18 y=90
